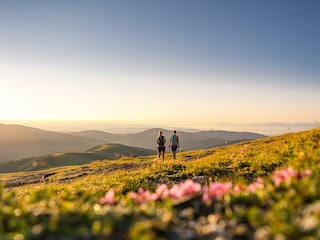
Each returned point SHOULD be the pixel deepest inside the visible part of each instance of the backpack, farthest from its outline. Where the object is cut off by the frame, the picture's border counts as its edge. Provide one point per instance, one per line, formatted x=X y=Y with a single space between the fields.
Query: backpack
x=174 y=139
x=160 y=141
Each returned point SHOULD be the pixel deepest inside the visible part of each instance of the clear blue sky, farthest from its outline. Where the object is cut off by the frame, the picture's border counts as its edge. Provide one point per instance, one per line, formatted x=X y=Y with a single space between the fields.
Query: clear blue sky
x=183 y=63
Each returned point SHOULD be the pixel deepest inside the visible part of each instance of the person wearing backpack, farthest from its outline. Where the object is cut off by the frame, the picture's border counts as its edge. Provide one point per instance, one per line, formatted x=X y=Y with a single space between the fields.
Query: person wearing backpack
x=161 y=143
x=174 y=144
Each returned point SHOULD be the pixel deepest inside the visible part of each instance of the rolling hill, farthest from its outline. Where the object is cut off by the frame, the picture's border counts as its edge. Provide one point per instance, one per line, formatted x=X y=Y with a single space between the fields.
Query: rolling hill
x=17 y=141
x=259 y=189
x=100 y=152
x=188 y=140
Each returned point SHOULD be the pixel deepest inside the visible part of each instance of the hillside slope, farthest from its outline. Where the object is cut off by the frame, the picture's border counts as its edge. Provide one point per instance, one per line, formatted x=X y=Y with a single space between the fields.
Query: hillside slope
x=246 y=161
x=101 y=152
x=261 y=189
x=18 y=142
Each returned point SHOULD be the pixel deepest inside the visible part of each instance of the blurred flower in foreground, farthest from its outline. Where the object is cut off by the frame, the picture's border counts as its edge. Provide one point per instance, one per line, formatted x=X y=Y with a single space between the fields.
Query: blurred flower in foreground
x=184 y=189
x=109 y=198
x=213 y=191
x=258 y=184
x=177 y=191
x=282 y=175
x=142 y=196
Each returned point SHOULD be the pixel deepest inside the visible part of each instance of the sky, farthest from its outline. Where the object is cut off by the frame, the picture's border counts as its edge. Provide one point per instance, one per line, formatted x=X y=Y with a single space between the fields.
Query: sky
x=178 y=63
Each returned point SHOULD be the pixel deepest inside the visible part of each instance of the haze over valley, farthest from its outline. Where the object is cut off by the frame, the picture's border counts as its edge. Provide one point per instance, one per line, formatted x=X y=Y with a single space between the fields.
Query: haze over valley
x=17 y=141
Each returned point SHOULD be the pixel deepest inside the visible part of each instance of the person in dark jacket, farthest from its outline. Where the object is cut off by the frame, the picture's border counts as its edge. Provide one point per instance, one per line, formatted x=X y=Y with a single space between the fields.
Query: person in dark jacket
x=161 y=143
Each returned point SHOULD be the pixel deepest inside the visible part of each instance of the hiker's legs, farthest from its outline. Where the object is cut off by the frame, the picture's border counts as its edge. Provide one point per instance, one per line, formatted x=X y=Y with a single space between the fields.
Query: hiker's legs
x=163 y=151
x=174 y=151
x=159 y=151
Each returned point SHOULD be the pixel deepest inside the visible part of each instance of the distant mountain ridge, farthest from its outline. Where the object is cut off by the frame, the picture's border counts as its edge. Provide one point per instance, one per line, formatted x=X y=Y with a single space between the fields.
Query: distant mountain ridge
x=100 y=152
x=188 y=140
x=18 y=141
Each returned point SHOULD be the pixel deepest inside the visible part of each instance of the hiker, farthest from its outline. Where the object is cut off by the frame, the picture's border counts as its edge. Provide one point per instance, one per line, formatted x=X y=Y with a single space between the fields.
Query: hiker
x=161 y=143
x=174 y=143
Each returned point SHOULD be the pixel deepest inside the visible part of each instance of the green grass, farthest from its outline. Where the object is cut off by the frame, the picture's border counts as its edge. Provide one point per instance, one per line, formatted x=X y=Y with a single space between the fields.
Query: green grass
x=65 y=203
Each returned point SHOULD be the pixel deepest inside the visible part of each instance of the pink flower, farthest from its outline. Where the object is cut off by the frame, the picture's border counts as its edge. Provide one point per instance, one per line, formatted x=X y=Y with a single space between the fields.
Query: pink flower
x=162 y=191
x=216 y=190
x=190 y=187
x=109 y=198
x=306 y=173
x=239 y=188
x=186 y=188
x=280 y=176
x=258 y=184
x=142 y=196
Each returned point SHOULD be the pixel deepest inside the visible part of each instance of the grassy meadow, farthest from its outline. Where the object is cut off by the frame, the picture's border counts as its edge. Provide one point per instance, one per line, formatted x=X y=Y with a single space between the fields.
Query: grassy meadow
x=262 y=189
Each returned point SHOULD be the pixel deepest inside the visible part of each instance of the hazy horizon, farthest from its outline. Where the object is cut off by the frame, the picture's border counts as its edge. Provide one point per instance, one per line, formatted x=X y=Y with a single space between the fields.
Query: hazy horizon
x=167 y=63
x=271 y=128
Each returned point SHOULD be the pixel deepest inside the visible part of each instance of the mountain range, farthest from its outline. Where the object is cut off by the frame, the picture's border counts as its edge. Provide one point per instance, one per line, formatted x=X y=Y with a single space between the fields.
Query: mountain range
x=104 y=151
x=188 y=140
x=18 y=141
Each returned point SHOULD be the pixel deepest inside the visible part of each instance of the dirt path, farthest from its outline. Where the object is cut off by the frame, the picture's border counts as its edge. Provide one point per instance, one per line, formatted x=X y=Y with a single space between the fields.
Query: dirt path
x=27 y=178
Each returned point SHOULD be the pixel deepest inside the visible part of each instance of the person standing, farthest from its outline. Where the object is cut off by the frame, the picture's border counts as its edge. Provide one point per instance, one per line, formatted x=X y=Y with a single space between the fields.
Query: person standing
x=161 y=143
x=174 y=143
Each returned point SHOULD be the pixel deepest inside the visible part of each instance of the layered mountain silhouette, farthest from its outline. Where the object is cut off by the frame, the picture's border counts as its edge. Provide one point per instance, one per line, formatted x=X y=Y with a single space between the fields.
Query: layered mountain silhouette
x=100 y=152
x=17 y=141
x=188 y=140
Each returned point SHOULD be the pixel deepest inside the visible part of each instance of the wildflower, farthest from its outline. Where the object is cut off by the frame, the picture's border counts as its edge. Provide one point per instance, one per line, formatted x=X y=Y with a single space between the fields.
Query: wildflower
x=175 y=191
x=258 y=184
x=306 y=173
x=239 y=188
x=162 y=191
x=280 y=176
x=190 y=187
x=142 y=196
x=216 y=190
x=109 y=198
x=184 y=189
